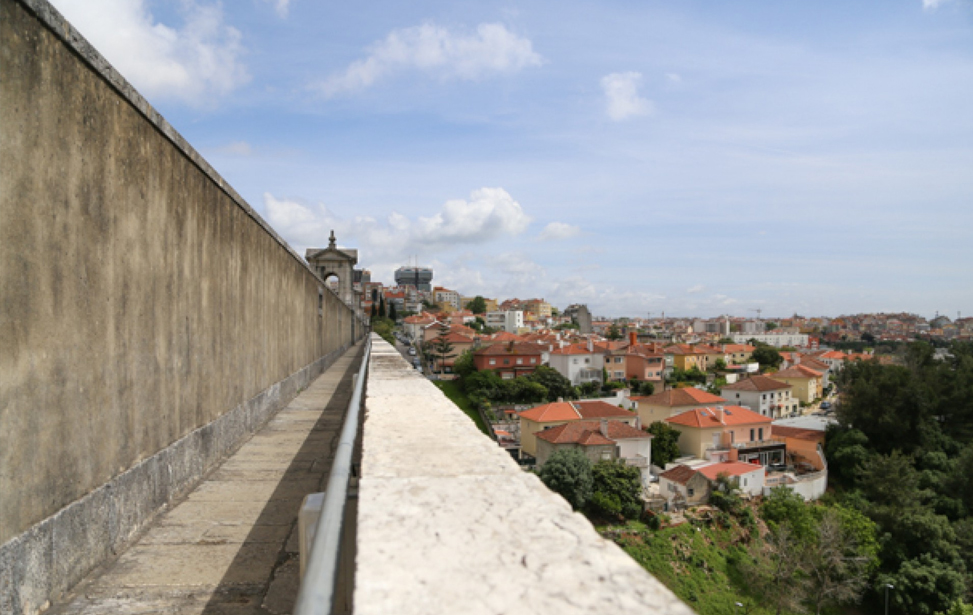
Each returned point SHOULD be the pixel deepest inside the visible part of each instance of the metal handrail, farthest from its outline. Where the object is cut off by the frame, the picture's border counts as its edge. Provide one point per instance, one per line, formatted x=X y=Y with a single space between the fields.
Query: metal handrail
x=318 y=585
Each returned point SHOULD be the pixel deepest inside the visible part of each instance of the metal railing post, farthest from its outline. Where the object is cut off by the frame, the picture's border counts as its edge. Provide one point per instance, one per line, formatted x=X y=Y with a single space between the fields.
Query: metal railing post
x=317 y=592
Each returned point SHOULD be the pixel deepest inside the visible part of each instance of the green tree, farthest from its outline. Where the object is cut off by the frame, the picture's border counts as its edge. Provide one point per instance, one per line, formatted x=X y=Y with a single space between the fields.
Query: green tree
x=725 y=494
x=381 y=307
x=785 y=507
x=773 y=569
x=614 y=333
x=384 y=326
x=767 y=356
x=616 y=490
x=568 y=472
x=464 y=364
x=392 y=311
x=719 y=364
x=442 y=347
x=839 y=559
x=557 y=385
x=477 y=305
x=665 y=443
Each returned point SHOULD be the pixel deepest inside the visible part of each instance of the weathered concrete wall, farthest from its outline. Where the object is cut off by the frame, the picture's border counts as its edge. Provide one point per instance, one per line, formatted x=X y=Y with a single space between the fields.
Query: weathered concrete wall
x=449 y=523
x=141 y=299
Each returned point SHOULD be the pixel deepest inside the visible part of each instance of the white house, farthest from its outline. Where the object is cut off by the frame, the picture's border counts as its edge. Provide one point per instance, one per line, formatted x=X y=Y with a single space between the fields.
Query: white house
x=778 y=340
x=749 y=476
x=510 y=321
x=761 y=394
x=579 y=363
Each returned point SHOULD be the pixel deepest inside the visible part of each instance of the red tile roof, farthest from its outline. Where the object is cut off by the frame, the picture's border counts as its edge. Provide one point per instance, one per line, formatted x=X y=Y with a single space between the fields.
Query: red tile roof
x=798 y=371
x=681 y=397
x=510 y=349
x=679 y=474
x=574 y=411
x=757 y=383
x=707 y=417
x=814 y=364
x=573 y=349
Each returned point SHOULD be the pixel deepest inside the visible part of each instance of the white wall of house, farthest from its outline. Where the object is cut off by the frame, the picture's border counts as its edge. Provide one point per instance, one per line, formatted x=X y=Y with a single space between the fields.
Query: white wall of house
x=752 y=483
x=571 y=366
x=774 y=339
x=510 y=321
x=761 y=401
x=637 y=448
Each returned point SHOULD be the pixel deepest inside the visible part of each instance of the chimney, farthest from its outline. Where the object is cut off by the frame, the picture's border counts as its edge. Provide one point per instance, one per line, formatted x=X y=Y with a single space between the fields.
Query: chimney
x=633 y=338
x=591 y=346
x=604 y=427
x=560 y=400
x=719 y=414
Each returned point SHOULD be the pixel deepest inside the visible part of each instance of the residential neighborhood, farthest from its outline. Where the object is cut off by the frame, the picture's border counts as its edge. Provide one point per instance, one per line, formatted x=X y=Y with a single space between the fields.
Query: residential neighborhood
x=707 y=417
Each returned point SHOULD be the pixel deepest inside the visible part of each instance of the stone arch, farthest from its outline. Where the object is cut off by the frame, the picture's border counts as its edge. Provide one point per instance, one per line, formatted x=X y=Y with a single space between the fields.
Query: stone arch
x=335 y=262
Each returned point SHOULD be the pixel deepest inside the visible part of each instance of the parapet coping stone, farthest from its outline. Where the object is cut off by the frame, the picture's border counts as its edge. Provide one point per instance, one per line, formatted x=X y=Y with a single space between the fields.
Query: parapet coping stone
x=448 y=522
x=62 y=28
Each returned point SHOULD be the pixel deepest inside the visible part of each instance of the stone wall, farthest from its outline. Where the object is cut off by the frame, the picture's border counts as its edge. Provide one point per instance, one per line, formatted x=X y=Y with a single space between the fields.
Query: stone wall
x=149 y=318
x=449 y=523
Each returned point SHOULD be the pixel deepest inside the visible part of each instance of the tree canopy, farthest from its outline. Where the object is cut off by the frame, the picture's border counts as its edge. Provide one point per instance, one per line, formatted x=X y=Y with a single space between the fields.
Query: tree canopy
x=477 y=305
x=568 y=472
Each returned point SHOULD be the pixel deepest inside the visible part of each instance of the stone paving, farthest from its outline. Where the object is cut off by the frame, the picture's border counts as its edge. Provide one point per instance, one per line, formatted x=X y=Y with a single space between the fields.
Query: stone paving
x=231 y=546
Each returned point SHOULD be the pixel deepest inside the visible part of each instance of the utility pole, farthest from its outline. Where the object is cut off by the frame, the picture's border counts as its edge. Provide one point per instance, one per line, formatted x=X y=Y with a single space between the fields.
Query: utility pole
x=888 y=586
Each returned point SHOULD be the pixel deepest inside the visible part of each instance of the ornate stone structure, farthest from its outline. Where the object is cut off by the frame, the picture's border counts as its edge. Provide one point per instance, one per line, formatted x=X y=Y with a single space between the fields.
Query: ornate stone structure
x=337 y=262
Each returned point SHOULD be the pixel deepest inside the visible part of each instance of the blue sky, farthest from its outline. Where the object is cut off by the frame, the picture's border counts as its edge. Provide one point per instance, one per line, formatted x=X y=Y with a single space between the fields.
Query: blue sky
x=697 y=158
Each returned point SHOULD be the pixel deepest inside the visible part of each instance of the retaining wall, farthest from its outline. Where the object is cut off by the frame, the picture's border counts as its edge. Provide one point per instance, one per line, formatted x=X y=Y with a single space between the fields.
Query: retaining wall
x=149 y=318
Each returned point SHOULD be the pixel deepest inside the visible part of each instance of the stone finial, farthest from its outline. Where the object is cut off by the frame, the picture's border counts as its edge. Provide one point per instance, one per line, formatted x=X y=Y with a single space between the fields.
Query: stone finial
x=331 y=241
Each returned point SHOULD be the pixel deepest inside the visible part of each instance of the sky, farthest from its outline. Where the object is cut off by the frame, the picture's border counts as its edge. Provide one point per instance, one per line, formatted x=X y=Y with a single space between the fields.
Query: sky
x=693 y=158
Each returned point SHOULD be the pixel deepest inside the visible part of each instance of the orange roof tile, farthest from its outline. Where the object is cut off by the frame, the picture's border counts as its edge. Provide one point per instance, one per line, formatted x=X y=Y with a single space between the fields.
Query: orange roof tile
x=757 y=383
x=707 y=417
x=679 y=474
x=574 y=411
x=689 y=396
x=798 y=371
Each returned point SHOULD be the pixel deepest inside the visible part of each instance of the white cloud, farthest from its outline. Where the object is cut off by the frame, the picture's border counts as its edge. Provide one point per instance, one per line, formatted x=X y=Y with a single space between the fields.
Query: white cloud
x=280 y=6
x=673 y=77
x=489 y=214
x=930 y=5
x=492 y=49
x=194 y=64
x=698 y=288
x=558 y=230
x=622 y=98
x=235 y=148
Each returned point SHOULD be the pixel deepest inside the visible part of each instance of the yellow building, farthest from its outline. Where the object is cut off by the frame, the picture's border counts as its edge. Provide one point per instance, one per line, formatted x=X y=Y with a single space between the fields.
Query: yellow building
x=561 y=412
x=660 y=406
x=727 y=433
x=807 y=382
x=739 y=353
x=686 y=357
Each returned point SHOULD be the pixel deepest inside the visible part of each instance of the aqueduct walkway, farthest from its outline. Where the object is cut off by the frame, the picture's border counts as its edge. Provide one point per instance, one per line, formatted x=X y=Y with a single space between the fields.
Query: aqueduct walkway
x=231 y=546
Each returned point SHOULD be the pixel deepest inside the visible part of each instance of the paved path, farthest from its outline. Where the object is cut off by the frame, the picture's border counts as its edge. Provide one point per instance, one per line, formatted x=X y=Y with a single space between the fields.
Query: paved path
x=231 y=546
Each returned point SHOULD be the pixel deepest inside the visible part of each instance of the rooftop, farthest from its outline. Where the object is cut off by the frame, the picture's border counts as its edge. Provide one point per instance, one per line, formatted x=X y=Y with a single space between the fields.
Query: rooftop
x=709 y=417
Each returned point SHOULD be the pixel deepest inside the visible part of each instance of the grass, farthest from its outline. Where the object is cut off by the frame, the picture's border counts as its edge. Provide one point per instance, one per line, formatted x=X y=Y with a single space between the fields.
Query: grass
x=698 y=565
x=455 y=394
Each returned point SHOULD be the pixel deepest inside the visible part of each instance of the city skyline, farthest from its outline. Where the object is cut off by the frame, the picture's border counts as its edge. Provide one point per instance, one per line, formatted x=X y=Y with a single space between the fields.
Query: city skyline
x=634 y=157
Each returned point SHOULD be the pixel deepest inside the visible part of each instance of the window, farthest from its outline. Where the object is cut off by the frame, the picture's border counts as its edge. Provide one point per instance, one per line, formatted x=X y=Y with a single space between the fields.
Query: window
x=533 y=360
x=732 y=438
x=587 y=360
x=738 y=396
x=744 y=482
x=493 y=361
x=764 y=396
x=760 y=433
x=692 y=492
x=751 y=435
x=506 y=361
x=520 y=361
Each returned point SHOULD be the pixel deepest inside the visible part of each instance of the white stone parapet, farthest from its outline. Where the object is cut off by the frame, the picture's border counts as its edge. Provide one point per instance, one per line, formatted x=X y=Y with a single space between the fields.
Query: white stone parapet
x=449 y=523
